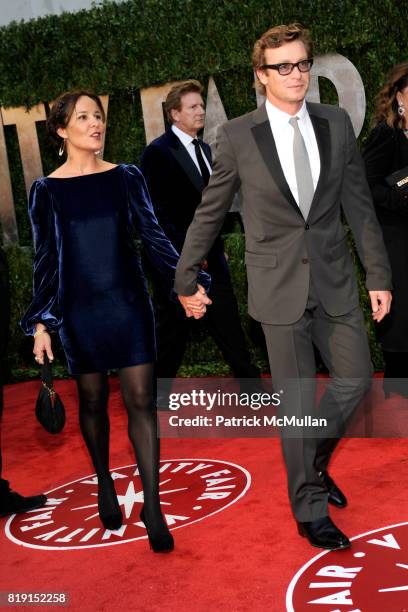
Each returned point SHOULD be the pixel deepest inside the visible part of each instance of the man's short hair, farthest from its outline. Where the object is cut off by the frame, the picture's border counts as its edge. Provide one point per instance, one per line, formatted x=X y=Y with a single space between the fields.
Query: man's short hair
x=173 y=100
x=274 y=38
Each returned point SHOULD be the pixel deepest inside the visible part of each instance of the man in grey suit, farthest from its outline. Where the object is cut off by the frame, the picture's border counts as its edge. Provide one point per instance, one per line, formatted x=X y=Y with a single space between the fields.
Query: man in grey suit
x=298 y=165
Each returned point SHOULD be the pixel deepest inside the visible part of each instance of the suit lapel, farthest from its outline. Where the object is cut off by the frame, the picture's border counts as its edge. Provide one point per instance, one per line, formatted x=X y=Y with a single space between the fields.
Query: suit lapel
x=322 y=131
x=207 y=152
x=266 y=144
x=180 y=153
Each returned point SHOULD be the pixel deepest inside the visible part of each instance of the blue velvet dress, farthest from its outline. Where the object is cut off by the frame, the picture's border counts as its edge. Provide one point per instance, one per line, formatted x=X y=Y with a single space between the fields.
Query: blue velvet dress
x=88 y=280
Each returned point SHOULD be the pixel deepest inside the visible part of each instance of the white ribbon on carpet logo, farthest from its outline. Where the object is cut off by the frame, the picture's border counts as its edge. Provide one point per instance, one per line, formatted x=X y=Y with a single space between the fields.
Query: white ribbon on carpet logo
x=190 y=490
x=371 y=575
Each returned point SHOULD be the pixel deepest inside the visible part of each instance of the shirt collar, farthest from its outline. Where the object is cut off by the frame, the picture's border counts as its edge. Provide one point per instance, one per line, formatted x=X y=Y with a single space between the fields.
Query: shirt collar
x=279 y=119
x=302 y=113
x=185 y=138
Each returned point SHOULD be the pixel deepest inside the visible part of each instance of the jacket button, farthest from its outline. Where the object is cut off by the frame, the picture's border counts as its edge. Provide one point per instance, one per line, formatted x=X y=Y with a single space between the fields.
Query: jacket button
x=307 y=226
x=305 y=260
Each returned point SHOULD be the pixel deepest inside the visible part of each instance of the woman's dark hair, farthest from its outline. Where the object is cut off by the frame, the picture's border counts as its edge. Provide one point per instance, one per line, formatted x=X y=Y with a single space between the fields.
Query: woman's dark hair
x=62 y=109
x=386 y=104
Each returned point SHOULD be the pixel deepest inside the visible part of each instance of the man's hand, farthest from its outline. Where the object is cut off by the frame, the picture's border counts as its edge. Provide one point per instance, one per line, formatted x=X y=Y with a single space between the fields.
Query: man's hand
x=380 y=304
x=195 y=305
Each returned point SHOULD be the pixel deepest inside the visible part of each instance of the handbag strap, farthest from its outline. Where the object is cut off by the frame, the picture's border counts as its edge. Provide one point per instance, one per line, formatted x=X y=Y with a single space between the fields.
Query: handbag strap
x=46 y=373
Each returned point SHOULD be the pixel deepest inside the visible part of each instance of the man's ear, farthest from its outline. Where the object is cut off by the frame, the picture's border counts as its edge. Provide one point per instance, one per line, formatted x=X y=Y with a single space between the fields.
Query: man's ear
x=175 y=115
x=261 y=76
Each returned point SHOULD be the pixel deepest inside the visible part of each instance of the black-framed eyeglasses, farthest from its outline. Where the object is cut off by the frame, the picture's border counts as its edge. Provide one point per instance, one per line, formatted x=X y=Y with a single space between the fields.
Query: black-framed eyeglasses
x=287 y=67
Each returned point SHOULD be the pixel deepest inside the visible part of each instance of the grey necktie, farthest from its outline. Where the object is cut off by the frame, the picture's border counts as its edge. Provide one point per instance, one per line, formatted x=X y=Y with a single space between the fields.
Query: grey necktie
x=303 y=172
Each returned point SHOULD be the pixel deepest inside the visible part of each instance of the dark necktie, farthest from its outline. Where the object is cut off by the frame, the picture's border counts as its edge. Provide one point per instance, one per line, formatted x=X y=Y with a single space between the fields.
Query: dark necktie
x=203 y=166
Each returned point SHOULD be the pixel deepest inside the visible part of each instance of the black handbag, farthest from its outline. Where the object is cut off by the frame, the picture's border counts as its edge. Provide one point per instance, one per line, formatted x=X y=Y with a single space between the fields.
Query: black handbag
x=399 y=180
x=49 y=408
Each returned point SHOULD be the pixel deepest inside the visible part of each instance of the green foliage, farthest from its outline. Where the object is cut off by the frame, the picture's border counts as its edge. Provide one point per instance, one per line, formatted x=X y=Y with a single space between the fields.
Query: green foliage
x=143 y=42
x=117 y=49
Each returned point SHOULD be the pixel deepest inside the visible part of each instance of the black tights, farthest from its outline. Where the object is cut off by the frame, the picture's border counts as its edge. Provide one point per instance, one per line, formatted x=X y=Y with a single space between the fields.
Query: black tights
x=137 y=387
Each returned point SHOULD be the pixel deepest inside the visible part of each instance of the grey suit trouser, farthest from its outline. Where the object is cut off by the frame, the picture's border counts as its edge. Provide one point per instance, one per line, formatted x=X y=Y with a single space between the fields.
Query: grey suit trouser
x=343 y=345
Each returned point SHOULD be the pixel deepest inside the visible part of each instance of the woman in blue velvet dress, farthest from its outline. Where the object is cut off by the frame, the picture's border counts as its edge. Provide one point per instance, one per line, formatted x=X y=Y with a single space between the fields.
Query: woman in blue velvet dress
x=89 y=285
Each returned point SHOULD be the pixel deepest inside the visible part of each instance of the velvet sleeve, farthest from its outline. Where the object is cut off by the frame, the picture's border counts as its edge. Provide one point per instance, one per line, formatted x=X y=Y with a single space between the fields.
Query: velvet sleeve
x=379 y=155
x=44 y=307
x=161 y=253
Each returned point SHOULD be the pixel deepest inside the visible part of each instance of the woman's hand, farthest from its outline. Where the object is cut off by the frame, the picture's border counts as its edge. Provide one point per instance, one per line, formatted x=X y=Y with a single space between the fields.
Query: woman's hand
x=42 y=343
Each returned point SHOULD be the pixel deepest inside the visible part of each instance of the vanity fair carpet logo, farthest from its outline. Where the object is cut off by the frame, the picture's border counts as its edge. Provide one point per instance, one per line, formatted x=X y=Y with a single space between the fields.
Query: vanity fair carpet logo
x=190 y=490
x=371 y=576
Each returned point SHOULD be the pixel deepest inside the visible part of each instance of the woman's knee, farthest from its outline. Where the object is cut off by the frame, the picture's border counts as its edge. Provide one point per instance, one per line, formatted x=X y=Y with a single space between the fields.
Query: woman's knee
x=138 y=399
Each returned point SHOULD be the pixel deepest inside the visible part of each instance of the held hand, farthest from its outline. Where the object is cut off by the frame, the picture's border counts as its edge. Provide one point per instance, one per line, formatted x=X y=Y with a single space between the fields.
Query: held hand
x=195 y=305
x=380 y=304
x=42 y=343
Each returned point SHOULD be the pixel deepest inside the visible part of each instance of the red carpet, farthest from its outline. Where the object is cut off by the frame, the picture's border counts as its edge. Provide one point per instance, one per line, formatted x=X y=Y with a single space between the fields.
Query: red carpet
x=239 y=556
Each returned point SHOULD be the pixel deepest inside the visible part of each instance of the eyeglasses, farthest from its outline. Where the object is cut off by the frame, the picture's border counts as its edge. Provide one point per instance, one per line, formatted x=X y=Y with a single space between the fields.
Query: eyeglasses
x=287 y=67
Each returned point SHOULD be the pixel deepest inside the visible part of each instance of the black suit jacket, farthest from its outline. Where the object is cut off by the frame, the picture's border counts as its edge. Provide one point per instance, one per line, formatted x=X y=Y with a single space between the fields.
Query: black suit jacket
x=175 y=186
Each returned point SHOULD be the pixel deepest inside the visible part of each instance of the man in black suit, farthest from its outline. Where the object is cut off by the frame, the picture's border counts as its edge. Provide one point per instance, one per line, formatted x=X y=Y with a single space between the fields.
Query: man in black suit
x=177 y=167
x=10 y=501
x=299 y=167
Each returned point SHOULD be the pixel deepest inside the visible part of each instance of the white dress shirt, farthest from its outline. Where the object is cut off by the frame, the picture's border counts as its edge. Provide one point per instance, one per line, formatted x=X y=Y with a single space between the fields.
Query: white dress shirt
x=283 y=134
x=187 y=141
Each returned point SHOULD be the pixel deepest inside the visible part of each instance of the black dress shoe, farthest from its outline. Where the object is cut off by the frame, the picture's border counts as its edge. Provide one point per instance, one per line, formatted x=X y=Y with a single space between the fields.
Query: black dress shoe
x=336 y=497
x=14 y=503
x=323 y=533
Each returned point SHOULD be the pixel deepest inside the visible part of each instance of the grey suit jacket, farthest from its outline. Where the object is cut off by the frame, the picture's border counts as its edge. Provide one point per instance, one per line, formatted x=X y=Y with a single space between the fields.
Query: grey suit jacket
x=282 y=250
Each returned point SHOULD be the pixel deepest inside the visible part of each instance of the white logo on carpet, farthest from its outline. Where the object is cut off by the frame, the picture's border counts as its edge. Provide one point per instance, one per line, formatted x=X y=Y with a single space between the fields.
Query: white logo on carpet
x=372 y=575
x=190 y=490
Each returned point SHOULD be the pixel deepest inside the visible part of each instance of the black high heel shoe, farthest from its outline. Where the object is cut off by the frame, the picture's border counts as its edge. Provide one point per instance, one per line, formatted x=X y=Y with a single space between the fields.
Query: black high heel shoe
x=108 y=506
x=160 y=542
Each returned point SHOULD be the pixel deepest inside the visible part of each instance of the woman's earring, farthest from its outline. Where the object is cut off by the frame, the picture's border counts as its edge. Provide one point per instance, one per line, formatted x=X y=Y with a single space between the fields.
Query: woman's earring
x=401 y=110
x=62 y=148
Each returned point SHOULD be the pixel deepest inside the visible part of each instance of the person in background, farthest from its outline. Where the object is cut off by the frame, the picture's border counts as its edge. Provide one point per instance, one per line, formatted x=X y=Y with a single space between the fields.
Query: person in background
x=177 y=167
x=385 y=152
x=11 y=502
